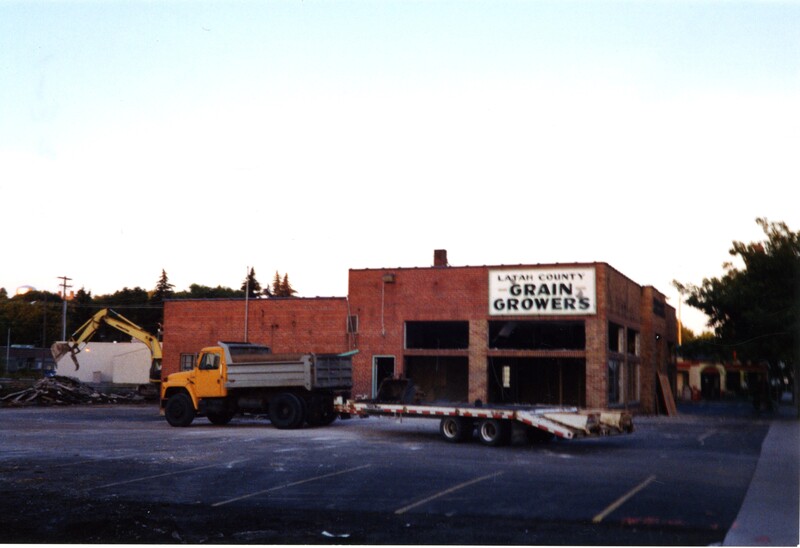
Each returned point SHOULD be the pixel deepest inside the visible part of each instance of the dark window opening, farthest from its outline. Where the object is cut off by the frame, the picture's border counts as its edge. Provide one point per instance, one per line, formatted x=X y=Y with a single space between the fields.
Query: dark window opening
x=634 y=344
x=616 y=337
x=439 y=379
x=537 y=335
x=436 y=335
x=614 y=379
x=537 y=381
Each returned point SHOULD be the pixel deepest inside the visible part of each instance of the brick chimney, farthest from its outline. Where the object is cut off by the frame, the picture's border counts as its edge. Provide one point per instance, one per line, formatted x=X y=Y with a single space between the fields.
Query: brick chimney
x=440 y=258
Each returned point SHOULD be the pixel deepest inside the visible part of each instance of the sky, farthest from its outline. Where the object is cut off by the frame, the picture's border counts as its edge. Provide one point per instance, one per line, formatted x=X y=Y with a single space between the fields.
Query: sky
x=311 y=137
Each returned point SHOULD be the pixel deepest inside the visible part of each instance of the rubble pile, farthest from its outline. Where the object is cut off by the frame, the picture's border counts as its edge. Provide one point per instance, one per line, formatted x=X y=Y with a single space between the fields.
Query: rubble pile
x=63 y=391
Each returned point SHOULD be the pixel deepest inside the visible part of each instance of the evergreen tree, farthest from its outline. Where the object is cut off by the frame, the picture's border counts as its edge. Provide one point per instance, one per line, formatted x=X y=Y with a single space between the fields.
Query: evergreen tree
x=164 y=289
x=286 y=288
x=251 y=285
x=281 y=286
x=276 y=285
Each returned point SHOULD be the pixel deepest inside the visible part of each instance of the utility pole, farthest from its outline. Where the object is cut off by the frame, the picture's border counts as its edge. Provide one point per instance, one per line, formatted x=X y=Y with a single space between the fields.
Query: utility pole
x=64 y=287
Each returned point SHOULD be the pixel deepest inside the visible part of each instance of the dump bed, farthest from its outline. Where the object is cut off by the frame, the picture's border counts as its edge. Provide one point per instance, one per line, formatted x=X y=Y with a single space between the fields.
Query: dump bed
x=251 y=367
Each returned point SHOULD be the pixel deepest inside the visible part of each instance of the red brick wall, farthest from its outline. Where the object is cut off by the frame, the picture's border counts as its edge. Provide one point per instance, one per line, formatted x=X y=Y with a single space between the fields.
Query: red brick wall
x=286 y=325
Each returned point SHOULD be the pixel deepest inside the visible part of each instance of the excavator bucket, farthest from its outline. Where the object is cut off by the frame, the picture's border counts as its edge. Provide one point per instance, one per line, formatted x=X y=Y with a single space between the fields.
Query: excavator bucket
x=59 y=350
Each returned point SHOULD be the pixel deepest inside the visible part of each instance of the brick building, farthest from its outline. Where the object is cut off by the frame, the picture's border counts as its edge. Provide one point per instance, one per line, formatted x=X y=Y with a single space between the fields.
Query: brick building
x=572 y=334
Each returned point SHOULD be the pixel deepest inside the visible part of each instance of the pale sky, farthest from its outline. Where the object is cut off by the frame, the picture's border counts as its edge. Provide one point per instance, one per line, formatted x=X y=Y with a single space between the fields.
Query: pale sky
x=312 y=137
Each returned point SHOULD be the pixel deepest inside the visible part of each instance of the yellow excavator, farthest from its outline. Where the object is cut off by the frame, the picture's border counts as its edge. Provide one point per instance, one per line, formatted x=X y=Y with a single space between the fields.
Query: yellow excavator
x=109 y=317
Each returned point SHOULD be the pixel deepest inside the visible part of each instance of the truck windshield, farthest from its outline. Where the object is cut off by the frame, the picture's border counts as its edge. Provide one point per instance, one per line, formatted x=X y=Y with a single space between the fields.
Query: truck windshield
x=244 y=354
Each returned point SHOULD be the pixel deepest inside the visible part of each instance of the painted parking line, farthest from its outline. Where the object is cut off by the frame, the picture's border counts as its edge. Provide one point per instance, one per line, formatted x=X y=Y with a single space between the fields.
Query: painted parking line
x=453 y=489
x=292 y=484
x=622 y=500
x=165 y=474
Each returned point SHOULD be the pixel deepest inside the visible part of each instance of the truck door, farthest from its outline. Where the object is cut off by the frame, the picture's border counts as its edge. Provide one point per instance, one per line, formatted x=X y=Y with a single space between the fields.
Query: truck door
x=208 y=376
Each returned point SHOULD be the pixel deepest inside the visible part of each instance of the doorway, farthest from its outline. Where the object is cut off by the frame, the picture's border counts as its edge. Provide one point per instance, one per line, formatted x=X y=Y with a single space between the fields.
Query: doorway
x=382 y=368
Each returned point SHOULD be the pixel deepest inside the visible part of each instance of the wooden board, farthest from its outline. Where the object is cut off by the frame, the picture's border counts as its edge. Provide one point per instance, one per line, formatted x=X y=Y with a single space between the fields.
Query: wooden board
x=666 y=395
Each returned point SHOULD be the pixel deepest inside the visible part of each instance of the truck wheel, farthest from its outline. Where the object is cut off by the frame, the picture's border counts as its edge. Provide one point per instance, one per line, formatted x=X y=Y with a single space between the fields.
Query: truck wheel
x=494 y=432
x=320 y=411
x=179 y=410
x=286 y=411
x=219 y=418
x=455 y=429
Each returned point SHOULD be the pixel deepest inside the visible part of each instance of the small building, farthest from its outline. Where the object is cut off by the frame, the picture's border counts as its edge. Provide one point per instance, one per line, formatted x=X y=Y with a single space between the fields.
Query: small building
x=123 y=363
x=28 y=360
x=570 y=334
x=714 y=380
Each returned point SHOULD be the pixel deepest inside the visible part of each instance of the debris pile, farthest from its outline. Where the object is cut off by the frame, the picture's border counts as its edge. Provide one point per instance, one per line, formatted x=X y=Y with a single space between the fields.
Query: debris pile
x=63 y=391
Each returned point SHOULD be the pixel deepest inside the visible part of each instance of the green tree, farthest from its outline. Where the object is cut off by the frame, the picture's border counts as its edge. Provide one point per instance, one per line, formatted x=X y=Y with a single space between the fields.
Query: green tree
x=34 y=318
x=134 y=304
x=286 y=288
x=276 y=285
x=754 y=309
x=164 y=289
x=251 y=285
x=197 y=291
x=281 y=287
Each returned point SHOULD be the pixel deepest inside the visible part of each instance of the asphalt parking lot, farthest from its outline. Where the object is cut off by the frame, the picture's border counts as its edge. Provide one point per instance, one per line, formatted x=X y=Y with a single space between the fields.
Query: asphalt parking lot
x=119 y=473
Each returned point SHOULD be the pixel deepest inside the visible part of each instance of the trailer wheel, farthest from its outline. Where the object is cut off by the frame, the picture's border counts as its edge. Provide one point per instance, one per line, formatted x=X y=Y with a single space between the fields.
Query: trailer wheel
x=286 y=411
x=179 y=410
x=455 y=429
x=320 y=411
x=494 y=432
x=537 y=436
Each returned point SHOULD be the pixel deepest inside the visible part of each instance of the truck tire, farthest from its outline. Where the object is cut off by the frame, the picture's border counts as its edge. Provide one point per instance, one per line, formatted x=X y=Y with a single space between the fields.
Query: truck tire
x=494 y=432
x=320 y=411
x=287 y=411
x=179 y=410
x=219 y=418
x=455 y=429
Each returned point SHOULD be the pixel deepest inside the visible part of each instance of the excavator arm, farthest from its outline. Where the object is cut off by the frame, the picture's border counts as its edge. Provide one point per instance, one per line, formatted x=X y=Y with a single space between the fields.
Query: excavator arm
x=109 y=317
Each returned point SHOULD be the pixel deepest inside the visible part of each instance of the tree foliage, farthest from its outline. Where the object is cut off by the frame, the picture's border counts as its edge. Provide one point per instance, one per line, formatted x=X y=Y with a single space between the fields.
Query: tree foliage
x=164 y=289
x=197 y=291
x=35 y=317
x=753 y=308
x=281 y=287
x=252 y=286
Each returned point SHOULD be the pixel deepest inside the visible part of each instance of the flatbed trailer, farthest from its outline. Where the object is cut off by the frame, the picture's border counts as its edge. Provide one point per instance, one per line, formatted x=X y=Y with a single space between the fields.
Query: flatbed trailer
x=494 y=423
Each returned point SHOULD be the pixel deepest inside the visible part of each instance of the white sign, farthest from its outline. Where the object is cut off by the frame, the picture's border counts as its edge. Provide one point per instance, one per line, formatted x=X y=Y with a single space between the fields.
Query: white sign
x=542 y=291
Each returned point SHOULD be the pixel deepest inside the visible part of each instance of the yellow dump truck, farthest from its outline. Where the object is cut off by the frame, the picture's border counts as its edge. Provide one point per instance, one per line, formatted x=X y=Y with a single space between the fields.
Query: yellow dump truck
x=233 y=378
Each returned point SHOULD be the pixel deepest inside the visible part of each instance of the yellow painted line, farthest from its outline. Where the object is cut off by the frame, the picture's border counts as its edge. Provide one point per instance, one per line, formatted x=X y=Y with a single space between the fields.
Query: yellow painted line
x=165 y=474
x=453 y=489
x=620 y=501
x=285 y=485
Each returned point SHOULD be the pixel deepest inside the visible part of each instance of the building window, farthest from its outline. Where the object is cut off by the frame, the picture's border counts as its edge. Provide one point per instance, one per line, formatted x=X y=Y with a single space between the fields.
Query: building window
x=634 y=342
x=616 y=337
x=537 y=335
x=632 y=382
x=614 y=378
x=352 y=324
x=437 y=335
x=187 y=361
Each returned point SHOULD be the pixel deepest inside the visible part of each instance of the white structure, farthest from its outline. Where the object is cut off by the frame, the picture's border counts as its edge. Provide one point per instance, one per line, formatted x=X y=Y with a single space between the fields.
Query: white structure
x=117 y=363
